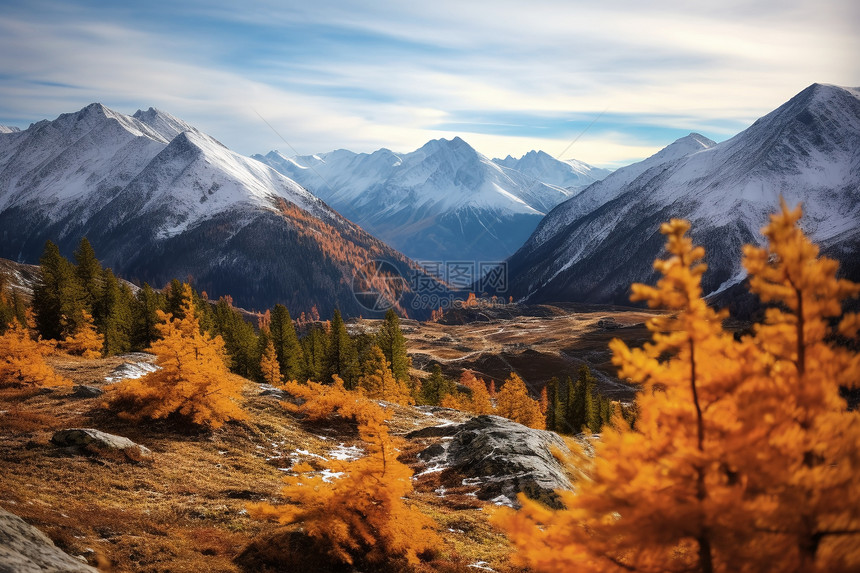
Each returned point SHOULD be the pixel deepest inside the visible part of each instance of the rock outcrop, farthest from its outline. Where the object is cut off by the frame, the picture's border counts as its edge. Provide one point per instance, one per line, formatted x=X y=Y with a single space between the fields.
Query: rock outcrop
x=25 y=549
x=500 y=457
x=101 y=444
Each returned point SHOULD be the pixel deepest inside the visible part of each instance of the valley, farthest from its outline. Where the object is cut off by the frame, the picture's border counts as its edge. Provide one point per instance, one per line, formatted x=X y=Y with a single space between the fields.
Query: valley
x=537 y=342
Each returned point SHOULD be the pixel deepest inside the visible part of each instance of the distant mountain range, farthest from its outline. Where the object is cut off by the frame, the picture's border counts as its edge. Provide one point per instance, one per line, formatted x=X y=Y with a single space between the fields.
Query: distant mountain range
x=593 y=246
x=159 y=199
x=444 y=201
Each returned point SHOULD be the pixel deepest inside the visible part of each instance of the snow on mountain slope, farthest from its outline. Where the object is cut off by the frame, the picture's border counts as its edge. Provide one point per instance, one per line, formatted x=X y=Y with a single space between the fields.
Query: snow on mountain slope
x=593 y=246
x=163 y=123
x=444 y=201
x=8 y=129
x=570 y=174
x=159 y=199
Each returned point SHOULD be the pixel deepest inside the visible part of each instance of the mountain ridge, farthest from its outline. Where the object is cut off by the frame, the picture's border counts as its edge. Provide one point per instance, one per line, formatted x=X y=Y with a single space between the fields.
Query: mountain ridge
x=155 y=209
x=590 y=248
x=444 y=201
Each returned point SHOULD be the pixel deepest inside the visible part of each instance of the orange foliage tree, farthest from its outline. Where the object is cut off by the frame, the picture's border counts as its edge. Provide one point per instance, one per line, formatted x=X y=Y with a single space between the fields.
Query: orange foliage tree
x=85 y=341
x=355 y=508
x=744 y=455
x=270 y=367
x=22 y=360
x=192 y=380
x=513 y=402
x=476 y=402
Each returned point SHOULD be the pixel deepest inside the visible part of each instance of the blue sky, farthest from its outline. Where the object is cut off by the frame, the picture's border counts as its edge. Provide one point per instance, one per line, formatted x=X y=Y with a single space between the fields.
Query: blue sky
x=505 y=76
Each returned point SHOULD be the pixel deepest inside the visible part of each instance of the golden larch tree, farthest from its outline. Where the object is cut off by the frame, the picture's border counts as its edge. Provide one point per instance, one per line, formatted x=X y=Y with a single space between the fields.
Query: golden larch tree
x=513 y=402
x=270 y=367
x=808 y=450
x=85 y=341
x=22 y=360
x=738 y=461
x=354 y=508
x=479 y=400
x=192 y=380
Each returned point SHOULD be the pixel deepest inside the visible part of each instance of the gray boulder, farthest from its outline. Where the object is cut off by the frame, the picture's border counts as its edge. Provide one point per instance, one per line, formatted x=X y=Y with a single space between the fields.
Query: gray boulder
x=502 y=458
x=101 y=444
x=25 y=549
x=84 y=391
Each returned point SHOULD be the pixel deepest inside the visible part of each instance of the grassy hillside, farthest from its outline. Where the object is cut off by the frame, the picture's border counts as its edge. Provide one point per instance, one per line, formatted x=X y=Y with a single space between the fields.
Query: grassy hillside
x=186 y=510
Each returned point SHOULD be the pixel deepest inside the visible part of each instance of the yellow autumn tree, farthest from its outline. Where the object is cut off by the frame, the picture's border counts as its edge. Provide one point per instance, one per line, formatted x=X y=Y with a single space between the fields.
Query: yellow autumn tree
x=513 y=402
x=730 y=467
x=270 y=367
x=354 y=508
x=378 y=382
x=192 y=380
x=808 y=450
x=22 y=360
x=85 y=341
x=477 y=401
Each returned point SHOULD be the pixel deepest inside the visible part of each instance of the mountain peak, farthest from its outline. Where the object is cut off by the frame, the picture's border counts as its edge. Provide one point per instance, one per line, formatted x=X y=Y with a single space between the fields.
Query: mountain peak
x=8 y=129
x=166 y=125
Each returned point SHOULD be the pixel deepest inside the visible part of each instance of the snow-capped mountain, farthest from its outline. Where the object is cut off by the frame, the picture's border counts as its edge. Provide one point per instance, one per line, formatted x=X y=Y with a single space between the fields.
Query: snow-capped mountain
x=593 y=246
x=568 y=174
x=442 y=202
x=159 y=199
x=8 y=129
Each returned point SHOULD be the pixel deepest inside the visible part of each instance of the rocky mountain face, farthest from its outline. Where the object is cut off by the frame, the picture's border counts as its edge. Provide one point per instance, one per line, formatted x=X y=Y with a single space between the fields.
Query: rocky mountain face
x=159 y=199
x=442 y=202
x=593 y=246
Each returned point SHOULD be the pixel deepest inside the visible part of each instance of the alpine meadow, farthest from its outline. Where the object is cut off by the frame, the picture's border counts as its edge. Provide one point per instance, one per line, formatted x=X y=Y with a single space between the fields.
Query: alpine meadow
x=448 y=288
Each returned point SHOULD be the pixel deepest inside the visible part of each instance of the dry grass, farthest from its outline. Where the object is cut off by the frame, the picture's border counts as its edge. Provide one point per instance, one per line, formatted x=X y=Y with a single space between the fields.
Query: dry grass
x=186 y=510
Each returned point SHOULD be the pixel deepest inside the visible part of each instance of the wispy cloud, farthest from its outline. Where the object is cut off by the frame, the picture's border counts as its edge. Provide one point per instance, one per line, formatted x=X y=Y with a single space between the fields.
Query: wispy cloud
x=505 y=76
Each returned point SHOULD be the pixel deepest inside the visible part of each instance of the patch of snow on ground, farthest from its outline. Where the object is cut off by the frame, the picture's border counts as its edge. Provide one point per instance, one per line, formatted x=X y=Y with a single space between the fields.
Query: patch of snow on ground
x=481 y=565
x=136 y=369
x=328 y=475
x=503 y=500
x=343 y=452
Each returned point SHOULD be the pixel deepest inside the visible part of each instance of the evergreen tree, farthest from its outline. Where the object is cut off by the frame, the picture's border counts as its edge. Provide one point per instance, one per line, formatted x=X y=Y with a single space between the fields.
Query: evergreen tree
x=239 y=337
x=290 y=354
x=577 y=405
x=144 y=310
x=342 y=357
x=436 y=387
x=393 y=344
x=553 y=398
x=88 y=271
x=112 y=314
x=315 y=350
x=173 y=293
x=58 y=298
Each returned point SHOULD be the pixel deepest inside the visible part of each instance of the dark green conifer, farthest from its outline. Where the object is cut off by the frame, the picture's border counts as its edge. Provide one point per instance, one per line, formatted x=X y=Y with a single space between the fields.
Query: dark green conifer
x=290 y=354
x=342 y=357
x=393 y=344
x=144 y=318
